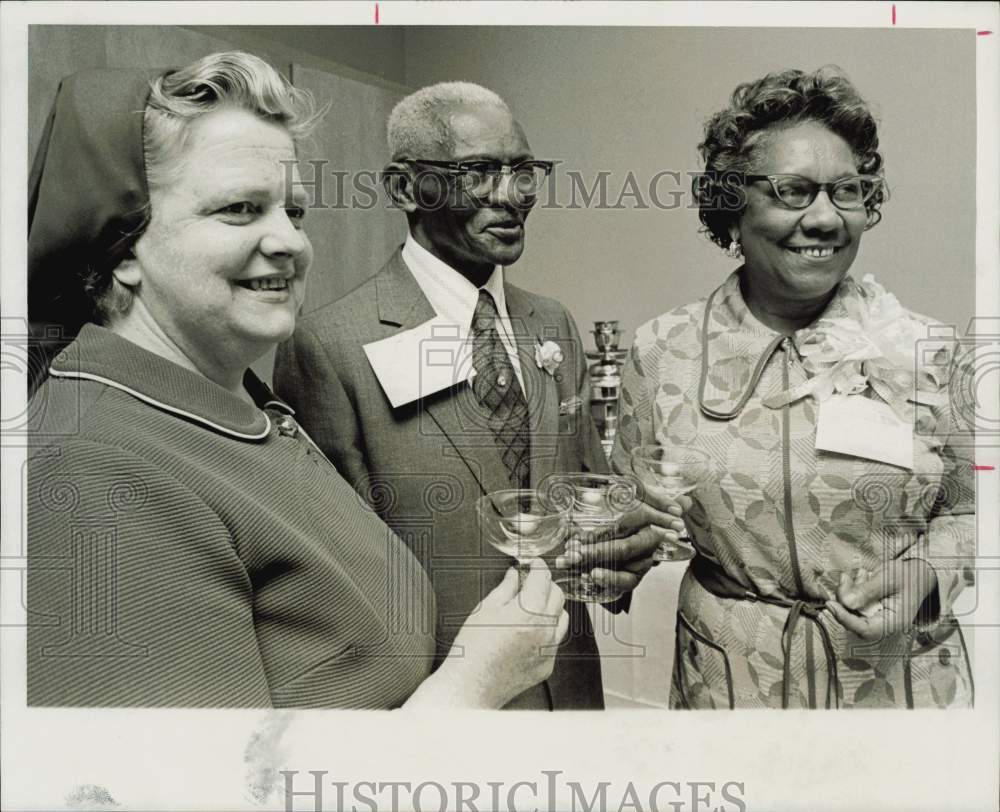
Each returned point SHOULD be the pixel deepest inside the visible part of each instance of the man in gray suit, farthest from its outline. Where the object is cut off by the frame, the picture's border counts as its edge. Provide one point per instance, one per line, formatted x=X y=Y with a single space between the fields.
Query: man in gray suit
x=436 y=381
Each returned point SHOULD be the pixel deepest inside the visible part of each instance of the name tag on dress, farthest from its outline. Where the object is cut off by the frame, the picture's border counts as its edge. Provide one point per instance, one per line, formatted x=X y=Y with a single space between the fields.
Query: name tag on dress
x=860 y=427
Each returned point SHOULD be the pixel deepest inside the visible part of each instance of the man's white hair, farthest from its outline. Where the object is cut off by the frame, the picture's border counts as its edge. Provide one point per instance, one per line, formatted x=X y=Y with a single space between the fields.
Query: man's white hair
x=420 y=124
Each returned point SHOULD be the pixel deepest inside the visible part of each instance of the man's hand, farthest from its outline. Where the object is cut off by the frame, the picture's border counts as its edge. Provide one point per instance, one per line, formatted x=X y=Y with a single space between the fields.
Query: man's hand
x=885 y=603
x=622 y=562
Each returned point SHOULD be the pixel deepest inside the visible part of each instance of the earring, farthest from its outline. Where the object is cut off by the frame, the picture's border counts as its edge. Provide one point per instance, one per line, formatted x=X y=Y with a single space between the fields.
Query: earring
x=735 y=250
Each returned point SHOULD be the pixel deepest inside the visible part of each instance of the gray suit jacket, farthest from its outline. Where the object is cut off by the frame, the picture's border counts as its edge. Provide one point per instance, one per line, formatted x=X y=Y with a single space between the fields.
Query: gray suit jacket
x=422 y=465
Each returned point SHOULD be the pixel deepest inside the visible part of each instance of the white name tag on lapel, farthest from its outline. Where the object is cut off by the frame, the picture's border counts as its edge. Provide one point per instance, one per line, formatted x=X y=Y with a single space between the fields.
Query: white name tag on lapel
x=860 y=427
x=421 y=361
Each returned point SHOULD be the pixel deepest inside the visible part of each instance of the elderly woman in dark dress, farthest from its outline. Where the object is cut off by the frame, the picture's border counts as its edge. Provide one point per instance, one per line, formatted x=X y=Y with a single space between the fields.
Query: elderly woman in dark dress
x=188 y=545
x=837 y=527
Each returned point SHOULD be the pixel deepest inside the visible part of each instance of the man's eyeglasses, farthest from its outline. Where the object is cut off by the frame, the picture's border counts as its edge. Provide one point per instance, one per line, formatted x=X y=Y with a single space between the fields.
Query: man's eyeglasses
x=848 y=194
x=481 y=178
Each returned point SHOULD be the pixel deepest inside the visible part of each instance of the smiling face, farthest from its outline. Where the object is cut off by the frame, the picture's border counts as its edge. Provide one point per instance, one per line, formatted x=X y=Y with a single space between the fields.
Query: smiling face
x=220 y=270
x=474 y=234
x=795 y=258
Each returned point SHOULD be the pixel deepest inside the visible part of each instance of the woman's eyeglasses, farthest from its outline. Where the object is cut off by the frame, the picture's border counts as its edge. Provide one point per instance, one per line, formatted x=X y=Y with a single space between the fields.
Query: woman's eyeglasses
x=848 y=194
x=481 y=178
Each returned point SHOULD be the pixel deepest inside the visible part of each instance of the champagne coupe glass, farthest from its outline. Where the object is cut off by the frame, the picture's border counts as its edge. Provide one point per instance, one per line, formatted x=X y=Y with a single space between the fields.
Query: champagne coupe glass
x=523 y=524
x=597 y=503
x=670 y=471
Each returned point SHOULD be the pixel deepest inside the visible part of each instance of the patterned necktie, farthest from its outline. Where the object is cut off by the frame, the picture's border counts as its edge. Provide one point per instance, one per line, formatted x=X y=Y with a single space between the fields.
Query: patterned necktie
x=498 y=391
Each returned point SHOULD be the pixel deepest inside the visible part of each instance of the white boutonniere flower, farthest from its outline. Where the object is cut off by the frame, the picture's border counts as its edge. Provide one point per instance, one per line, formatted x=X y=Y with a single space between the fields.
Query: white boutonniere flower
x=548 y=355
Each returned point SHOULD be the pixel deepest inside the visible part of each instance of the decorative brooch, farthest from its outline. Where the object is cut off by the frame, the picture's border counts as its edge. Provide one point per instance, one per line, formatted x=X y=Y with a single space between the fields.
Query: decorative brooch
x=548 y=355
x=571 y=405
x=872 y=344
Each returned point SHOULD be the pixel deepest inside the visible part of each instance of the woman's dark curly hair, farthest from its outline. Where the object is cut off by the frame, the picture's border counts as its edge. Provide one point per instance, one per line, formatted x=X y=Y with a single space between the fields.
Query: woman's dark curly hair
x=779 y=100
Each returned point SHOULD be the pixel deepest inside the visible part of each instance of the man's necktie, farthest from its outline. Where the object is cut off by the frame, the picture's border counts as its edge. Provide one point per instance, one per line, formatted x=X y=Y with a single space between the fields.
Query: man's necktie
x=499 y=393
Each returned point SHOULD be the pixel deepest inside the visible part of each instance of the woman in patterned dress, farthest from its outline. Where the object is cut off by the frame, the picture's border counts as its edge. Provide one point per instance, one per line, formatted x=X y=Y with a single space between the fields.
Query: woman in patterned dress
x=825 y=571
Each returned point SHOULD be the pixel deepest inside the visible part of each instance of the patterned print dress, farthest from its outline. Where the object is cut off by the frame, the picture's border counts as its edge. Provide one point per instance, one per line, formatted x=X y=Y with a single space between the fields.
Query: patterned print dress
x=781 y=521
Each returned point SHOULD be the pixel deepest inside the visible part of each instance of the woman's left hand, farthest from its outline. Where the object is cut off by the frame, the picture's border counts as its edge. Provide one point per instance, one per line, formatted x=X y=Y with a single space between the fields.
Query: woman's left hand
x=898 y=588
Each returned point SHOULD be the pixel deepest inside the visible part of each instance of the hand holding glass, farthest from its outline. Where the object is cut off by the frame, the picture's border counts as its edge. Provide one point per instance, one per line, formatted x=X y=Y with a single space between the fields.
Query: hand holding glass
x=670 y=471
x=596 y=503
x=523 y=524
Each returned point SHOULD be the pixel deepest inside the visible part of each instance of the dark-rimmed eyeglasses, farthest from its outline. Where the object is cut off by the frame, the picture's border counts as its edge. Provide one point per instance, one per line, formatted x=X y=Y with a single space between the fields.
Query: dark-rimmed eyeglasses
x=481 y=178
x=849 y=193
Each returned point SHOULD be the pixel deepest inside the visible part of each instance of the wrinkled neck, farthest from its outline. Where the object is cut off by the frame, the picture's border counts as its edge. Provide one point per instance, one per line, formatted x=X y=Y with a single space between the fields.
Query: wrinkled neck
x=477 y=273
x=139 y=327
x=784 y=316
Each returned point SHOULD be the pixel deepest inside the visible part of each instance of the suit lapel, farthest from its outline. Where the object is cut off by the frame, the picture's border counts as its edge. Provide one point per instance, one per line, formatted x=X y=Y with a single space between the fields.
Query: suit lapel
x=401 y=302
x=540 y=388
x=454 y=412
x=458 y=415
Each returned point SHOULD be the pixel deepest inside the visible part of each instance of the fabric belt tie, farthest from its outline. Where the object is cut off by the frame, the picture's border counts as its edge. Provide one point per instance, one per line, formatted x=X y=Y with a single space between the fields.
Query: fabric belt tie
x=497 y=389
x=719 y=583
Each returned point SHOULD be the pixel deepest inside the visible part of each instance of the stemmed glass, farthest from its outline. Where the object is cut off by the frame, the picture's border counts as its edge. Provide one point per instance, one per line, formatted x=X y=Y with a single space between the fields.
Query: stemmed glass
x=523 y=524
x=670 y=471
x=596 y=503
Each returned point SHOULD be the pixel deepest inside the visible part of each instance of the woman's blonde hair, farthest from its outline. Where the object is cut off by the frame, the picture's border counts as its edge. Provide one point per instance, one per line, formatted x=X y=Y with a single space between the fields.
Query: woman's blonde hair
x=226 y=80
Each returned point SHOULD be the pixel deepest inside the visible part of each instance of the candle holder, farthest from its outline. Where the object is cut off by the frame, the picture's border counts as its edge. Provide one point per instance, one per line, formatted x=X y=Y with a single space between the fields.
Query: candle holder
x=606 y=381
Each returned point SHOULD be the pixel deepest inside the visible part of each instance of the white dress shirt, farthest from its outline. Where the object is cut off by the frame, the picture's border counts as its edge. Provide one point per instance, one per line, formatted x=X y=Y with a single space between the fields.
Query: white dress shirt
x=454 y=297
